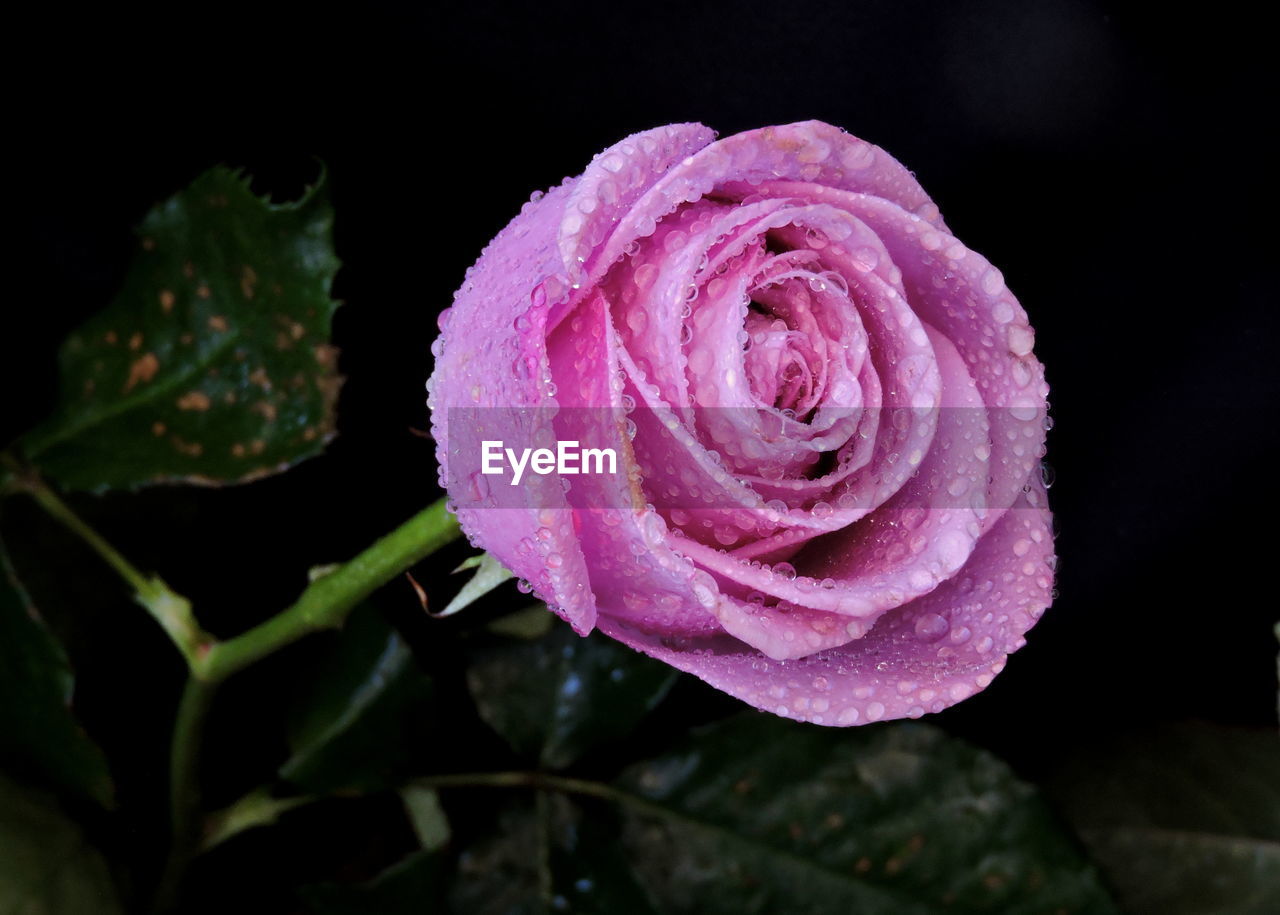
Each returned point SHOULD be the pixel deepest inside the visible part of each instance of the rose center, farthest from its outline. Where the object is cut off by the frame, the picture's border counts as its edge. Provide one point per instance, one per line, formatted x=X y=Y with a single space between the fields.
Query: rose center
x=778 y=363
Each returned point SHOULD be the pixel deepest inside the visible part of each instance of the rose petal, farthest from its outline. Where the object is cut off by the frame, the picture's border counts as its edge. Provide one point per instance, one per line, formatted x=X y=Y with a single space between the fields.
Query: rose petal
x=784 y=634
x=615 y=179
x=808 y=151
x=930 y=654
x=634 y=572
x=491 y=360
x=960 y=293
x=926 y=532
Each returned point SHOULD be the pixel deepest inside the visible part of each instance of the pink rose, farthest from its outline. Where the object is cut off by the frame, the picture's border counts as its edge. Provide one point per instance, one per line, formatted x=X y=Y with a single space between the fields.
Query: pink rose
x=826 y=410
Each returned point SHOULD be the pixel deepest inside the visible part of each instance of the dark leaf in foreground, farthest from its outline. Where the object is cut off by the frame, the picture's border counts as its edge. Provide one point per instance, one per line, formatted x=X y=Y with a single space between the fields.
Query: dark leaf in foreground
x=1184 y=820
x=47 y=867
x=548 y=855
x=38 y=734
x=355 y=719
x=761 y=815
x=412 y=887
x=556 y=698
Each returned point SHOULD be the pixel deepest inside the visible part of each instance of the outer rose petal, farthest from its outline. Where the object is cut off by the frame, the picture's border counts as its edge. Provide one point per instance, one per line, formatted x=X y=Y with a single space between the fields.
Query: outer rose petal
x=923 y=657
x=613 y=182
x=476 y=367
x=808 y=151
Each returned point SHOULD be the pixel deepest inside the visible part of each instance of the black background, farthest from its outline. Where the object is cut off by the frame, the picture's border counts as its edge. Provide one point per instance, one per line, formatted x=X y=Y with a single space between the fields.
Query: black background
x=1108 y=158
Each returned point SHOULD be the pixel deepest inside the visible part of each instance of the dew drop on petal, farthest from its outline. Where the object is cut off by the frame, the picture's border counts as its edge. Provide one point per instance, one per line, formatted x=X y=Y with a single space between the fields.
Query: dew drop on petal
x=930 y=627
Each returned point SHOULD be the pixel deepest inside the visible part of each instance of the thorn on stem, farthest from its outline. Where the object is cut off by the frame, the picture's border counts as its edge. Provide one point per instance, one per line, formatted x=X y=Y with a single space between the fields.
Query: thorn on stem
x=420 y=591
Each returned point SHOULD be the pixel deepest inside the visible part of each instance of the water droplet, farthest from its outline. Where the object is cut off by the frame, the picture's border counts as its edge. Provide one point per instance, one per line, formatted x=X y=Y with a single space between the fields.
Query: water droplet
x=993 y=282
x=866 y=259
x=704 y=588
x=930 y=627
x=644 y=276
x=1021 y=339
x=1047 y=475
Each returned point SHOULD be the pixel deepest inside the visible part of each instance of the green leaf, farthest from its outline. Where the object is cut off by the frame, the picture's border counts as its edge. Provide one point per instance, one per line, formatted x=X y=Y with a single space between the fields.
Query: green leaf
x=38 y=734
x=489 y=574
x=547 y=856
x=1184 y=820
x=562 y=695
x=529 y=623
x=411 y=887
x=354 y=722
x=213 y=364
x=47 y=867
x=252 y=811
x=589 y=872
x=503 y=873
x=761 y=815
x=430 y=825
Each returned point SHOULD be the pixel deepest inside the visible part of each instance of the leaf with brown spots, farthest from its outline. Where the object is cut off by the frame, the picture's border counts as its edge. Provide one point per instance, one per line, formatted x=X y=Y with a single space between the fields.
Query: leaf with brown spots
x=758 y=814
x=213 y=365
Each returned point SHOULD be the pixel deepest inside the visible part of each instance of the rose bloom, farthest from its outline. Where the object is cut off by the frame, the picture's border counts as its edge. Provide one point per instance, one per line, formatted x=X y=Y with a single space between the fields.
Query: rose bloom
x=826 y=408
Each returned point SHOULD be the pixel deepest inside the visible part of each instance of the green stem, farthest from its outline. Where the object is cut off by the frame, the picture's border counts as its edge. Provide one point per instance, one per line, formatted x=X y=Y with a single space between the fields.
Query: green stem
x=325 y=603
x=184 y=787
x=544 y=781
x=328 y=599
x=188 y=732
x=540 y=781
x=546 y=885
x=170 y=609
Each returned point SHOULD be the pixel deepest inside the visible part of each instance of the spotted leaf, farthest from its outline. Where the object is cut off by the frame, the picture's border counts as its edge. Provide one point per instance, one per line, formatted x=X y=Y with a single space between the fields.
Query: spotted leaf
x=213 y=365
x=758 y=815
